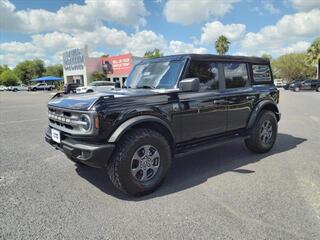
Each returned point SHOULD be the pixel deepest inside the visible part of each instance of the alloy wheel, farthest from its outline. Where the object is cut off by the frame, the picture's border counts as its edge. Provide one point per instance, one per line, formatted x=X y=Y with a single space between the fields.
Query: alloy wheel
x=145 y=163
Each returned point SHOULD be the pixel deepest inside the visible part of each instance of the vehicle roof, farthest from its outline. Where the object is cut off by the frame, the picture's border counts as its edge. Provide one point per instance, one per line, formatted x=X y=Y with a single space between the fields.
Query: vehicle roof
x=207 y=57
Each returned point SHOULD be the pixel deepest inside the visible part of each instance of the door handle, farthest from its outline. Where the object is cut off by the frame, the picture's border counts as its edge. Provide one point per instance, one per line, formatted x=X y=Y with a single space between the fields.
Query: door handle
x=250 y=97
x=220 y=101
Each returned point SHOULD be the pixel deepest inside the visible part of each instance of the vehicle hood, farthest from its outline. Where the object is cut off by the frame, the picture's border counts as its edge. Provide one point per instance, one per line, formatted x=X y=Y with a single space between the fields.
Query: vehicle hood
x=87 y=100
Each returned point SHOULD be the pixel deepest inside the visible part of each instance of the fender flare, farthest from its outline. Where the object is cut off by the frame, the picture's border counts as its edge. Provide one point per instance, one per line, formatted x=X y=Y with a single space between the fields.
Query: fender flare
x=265 y=104
x=134 y=121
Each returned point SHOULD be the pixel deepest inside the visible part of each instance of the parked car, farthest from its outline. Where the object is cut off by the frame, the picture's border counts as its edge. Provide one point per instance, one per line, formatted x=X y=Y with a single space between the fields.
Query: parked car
x=70 y=87
x=171 y=106
x=279 y=83
x=21 y=87
x=3 y=88
x=96 y=86
x=310 y=84
x=289 y=85
x=42 y=86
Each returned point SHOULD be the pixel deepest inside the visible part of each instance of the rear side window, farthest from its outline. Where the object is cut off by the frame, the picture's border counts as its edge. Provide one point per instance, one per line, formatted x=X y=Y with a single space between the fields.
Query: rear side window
x=236 y=75
x=261 y=73
x=207 y=72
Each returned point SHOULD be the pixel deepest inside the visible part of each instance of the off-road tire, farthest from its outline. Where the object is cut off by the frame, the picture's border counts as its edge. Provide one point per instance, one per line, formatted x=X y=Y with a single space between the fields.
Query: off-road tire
x=254 y=142
x=119 y=167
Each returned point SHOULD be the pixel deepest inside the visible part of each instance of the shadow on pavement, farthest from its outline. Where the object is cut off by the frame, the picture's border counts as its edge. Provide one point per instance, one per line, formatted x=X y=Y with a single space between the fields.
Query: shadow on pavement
x=195 y=169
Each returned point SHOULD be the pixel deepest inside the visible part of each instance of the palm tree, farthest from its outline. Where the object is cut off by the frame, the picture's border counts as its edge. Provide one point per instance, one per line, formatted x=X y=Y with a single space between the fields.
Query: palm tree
x=314 y=55
x=222 y=45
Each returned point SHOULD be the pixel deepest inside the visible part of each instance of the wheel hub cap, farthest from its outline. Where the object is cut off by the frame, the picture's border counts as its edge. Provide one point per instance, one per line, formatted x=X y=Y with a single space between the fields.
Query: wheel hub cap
x=145 y=163
x=266 y=132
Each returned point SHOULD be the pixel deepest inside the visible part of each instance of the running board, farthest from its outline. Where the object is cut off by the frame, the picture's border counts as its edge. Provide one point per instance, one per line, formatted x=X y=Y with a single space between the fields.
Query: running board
x=188 y=149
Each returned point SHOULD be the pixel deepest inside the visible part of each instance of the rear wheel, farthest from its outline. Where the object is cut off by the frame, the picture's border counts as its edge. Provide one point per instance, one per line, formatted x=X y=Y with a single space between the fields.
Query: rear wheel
x=140 y=162
x=89 y=91
x=264 y=133
x=296 y=89
x=318 y=89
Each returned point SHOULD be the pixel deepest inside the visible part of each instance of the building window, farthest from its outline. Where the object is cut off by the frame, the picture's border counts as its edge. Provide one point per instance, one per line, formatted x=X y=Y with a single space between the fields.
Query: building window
x=236 y=75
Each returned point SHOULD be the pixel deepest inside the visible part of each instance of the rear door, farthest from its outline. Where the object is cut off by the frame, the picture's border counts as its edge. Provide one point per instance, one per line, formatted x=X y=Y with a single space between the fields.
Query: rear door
x=239 y=94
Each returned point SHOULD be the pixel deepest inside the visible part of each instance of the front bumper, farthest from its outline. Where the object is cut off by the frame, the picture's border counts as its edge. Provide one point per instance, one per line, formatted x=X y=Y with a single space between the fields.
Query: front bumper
x=93 y=155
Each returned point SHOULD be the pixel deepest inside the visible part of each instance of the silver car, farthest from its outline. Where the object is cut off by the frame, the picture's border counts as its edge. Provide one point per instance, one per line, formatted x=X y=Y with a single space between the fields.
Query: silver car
x=96 y=86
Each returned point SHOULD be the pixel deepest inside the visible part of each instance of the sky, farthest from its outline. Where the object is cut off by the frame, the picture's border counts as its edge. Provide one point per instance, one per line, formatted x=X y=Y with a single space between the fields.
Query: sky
x=43 y=29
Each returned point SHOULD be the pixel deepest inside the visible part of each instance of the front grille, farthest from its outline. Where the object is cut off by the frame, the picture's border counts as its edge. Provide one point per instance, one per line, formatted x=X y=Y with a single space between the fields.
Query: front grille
x=66 y=120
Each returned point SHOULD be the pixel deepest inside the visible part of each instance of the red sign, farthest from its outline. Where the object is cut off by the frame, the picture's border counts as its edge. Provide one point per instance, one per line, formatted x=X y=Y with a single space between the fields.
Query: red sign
x=117 y=65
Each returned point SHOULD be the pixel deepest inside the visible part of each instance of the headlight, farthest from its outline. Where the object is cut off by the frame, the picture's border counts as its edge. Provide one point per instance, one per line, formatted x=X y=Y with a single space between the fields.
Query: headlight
x=85 y=123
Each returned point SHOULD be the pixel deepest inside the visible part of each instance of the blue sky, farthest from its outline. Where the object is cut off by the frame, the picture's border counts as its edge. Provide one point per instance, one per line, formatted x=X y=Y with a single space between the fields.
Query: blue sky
x=43 y=29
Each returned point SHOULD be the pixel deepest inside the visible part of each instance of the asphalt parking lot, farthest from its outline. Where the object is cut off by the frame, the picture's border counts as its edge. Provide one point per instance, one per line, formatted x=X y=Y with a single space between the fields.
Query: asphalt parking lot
x=225 y=193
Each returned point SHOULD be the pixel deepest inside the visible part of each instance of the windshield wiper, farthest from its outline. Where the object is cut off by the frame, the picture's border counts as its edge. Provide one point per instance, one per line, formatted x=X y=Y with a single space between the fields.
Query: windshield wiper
x=145 y=86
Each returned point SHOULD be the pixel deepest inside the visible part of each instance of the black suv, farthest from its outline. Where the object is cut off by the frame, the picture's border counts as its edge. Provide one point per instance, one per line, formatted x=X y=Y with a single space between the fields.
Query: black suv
x=311 y=84
x=70 y=87
x=169 y=106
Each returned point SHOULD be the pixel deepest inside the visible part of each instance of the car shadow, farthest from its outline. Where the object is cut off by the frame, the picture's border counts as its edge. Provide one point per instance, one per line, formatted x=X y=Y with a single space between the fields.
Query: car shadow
x=195 y=169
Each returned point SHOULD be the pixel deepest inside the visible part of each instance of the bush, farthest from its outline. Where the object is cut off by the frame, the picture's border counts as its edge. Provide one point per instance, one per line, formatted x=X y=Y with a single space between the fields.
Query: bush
x=8 y=78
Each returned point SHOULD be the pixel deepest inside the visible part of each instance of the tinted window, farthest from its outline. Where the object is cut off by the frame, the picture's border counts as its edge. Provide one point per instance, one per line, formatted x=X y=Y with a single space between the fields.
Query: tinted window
x=207 y=72
x=261 y=73
x=236 y=75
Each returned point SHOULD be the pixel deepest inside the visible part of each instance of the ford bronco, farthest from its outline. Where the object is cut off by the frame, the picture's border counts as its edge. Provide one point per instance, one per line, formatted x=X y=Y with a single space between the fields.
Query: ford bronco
x=169 y=107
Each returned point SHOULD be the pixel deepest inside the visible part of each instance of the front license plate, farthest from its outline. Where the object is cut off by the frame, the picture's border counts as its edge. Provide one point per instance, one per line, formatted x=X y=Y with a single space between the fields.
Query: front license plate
x=55 y=134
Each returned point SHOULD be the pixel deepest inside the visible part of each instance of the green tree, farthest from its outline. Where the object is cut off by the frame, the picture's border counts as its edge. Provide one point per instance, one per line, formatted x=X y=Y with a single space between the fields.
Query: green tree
x=293 y=66
x=39 y=67
x=222 y=45
x=313 y=55
x=267 y=56
x=8 y=78
x=3 y=68
x=98 y=76
x=54 y=70
x=29 y=69
x=105 y=55
x=155 y=53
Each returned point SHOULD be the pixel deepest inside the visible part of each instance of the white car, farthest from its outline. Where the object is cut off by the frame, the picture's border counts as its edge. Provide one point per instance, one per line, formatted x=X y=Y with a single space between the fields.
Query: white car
x=3 y=88
x=279 y=83
x=21 y=87
x=97 y=86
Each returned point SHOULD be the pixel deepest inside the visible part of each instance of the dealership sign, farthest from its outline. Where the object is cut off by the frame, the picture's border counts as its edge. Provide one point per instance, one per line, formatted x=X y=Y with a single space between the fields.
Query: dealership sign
x=117 y=65
x=73 y=59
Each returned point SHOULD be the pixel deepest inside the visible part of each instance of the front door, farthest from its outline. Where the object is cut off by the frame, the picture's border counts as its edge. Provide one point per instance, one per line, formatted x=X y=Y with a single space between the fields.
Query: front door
x=203 y=113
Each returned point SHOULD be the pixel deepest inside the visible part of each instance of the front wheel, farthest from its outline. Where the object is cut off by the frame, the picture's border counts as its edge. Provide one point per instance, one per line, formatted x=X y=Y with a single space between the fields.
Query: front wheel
x=296 y=89
x=318 y=89
x=263 y=134
x=140 y=162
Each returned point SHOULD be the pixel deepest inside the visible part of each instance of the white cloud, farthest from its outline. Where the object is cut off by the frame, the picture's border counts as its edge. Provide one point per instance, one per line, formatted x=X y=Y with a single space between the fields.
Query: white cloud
x=298 y=47
x=305 y=5
x=269 y=7
x=211 y=31
x=178 y=47
x=143 y=41
x=289 y=30
x=194 y=11
x=73 y=16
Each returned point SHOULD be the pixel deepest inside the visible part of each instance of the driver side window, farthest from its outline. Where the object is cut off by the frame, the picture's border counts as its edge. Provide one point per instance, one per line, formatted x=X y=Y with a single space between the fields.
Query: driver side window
x=207 y=72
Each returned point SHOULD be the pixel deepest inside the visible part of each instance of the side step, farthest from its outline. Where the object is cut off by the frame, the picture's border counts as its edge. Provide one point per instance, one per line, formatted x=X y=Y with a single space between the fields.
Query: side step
x=192 y=148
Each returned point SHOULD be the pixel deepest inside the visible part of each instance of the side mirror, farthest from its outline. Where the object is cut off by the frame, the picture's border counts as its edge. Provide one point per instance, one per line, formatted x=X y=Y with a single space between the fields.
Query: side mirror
x=189 y=85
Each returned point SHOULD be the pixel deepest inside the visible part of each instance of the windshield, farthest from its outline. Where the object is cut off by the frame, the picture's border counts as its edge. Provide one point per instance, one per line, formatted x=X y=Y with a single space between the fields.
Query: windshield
x=162 y=74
